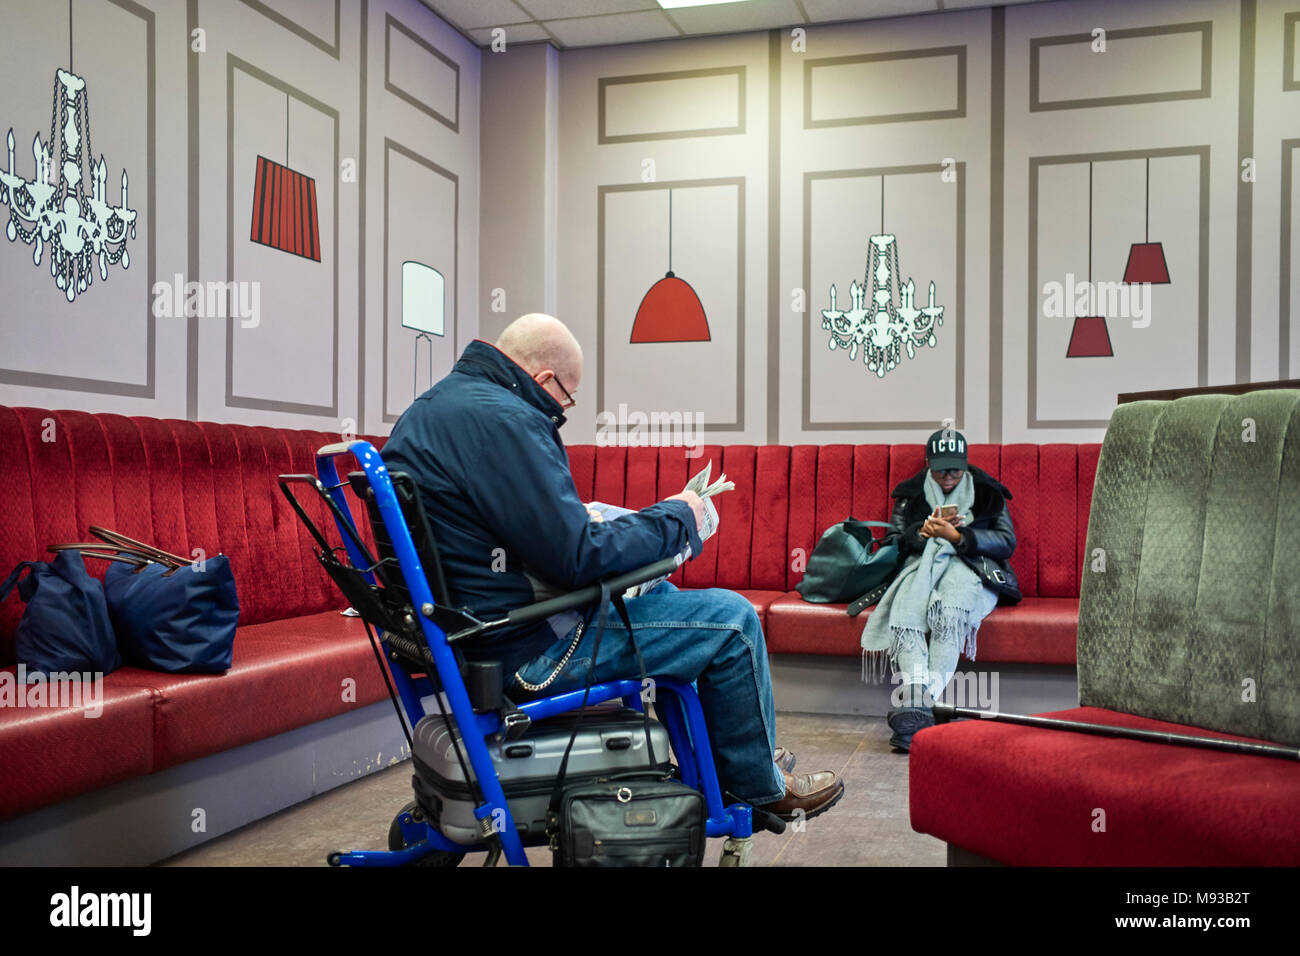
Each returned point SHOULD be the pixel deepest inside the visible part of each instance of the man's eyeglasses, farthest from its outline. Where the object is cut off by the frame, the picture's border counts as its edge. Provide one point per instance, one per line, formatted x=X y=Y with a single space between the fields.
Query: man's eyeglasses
x=947 y=472
x=572 y=401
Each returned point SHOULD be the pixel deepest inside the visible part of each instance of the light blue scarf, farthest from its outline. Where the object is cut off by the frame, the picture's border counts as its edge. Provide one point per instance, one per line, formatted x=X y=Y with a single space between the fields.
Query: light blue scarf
x=935 y=592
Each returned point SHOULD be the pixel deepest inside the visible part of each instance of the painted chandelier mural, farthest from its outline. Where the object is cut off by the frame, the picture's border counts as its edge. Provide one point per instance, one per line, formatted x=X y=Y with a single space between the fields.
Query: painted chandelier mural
x=81 y=229
x=883 y=319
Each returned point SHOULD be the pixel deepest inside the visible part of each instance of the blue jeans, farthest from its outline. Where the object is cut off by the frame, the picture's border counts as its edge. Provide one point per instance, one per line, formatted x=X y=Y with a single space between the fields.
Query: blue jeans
x=711 y=637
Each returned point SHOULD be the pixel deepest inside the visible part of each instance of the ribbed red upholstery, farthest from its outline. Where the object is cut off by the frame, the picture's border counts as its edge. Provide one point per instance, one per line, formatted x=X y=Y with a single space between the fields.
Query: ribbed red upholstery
x=642 y=478
x=582 y=463
x=1020 y=475
x=183 y=486
x=736 y=514
x=702 y=572
x=1088 y=455
x=188 y=486
x=803 y=531
x=672 y=476
x=785 y=498
x=1029 y=796
x=769 y=557
x=871 y=501
x=1058 y=520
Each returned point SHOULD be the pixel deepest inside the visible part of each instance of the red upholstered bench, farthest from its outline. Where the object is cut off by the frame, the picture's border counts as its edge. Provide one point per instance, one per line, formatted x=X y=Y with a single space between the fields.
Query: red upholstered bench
x=184 y=485
x=1033 y=797
x=181 y=485
x=787 y=496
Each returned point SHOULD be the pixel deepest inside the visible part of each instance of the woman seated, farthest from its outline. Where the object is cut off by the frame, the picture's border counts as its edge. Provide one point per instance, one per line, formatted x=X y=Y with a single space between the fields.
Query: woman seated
x=948 y=510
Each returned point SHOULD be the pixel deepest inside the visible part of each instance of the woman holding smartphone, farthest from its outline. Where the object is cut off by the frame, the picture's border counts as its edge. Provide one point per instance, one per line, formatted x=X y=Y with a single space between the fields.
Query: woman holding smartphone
x=954 y=533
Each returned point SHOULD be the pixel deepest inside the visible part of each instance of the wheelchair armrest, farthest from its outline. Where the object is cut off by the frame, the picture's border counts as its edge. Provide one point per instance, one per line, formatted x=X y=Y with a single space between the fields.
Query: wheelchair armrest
x=584 y=596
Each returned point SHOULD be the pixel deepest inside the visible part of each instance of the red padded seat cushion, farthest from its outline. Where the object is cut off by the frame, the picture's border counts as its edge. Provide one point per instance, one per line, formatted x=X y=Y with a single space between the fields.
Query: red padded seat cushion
x=761 y=600
x=1030 y=797
x=1035 y=631
x=49 y=754
x=285 y=674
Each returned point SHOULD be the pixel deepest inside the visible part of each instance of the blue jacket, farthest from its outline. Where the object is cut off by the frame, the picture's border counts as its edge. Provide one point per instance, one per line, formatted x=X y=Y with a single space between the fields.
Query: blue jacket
x=483 y=446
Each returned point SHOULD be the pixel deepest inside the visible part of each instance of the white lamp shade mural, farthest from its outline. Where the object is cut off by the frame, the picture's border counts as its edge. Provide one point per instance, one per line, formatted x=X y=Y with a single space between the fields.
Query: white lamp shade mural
x=423 y=298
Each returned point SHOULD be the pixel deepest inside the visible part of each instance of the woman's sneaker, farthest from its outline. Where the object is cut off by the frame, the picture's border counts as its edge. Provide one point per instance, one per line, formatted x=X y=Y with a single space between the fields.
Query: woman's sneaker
x=905 y=722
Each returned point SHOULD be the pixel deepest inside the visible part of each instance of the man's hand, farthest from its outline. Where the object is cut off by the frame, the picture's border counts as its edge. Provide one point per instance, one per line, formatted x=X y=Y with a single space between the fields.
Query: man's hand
x=595 y=515
x=697 y=506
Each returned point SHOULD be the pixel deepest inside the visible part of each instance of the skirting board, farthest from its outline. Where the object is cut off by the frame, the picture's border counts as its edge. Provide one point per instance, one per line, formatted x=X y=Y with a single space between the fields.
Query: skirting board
x=820 y=684
x=150 y=818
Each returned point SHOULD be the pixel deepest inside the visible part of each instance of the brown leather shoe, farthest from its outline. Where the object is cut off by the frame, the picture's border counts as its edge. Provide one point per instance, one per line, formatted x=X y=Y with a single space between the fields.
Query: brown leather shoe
x=813 y=793
x=784 y=759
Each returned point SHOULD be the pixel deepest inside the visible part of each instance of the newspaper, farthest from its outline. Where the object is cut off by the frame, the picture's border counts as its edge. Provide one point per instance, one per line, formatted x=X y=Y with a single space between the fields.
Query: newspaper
x=698 y=484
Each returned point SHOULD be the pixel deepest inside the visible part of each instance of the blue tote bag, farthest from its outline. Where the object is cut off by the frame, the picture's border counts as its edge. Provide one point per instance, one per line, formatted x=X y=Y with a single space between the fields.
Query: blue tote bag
x=175 y=619
x=66 y=626
x=169 y=614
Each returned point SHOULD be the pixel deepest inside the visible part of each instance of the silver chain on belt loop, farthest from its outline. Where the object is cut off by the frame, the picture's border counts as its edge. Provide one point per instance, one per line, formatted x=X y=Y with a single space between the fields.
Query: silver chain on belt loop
x=573 y=646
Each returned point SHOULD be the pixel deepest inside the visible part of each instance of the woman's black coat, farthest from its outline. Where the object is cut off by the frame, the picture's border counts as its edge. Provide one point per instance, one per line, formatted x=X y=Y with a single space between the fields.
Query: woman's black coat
x=986 y=544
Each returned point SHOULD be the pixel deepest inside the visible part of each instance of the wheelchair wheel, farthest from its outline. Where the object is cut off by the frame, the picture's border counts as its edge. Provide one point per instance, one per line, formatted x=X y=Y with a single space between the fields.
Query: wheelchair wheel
x=736 y=852
x=396 y=841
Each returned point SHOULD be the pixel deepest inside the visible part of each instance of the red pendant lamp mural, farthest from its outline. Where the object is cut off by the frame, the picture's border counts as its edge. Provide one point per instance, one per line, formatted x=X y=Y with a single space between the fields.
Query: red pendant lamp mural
x=284 y=205
x=1146 y=260
x=284 y=210
x=1089 y=338
x=670 y=310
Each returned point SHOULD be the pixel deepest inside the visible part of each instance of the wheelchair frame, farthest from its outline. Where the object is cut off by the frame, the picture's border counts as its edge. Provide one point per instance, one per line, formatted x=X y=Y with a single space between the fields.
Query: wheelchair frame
x=677 y=704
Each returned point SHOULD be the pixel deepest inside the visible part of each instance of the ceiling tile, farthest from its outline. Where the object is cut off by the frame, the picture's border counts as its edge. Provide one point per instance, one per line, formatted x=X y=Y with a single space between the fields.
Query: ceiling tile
x=468 y=14
x=550 y=9
x=967 y=4
x=823 y=11
x=618 y=28
x=515 y=33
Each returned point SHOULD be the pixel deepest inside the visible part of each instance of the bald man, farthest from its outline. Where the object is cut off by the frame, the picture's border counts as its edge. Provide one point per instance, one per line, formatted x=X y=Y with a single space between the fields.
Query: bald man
x=483 y=446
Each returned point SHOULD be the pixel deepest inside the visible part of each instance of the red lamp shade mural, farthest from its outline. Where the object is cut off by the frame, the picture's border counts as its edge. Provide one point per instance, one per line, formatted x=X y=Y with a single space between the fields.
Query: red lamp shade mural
x=284 y=210
x=670 y=311
x=1146 y=260
x=1089 y=338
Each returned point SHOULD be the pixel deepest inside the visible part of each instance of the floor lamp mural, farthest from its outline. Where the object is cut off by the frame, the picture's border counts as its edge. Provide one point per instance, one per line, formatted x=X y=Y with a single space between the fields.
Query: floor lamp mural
x=81 y=228
x=1089 y=338
x=883 y=319
x=423 y=304
x=284 y=205
x=670 y=311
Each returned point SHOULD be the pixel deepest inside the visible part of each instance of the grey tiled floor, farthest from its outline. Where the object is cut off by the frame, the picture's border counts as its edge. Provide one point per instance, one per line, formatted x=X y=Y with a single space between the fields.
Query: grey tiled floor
x=868 y=827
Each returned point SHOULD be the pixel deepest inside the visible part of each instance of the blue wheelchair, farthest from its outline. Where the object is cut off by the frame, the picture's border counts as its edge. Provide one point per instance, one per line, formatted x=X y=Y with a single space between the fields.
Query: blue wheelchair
x=401 y=593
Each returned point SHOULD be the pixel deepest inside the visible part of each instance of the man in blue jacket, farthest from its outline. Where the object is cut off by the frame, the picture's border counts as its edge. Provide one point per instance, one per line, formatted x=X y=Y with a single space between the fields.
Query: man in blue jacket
x=483 y=446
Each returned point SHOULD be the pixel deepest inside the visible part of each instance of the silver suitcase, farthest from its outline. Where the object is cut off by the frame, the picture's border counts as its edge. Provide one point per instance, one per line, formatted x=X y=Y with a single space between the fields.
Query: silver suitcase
x=610 y=740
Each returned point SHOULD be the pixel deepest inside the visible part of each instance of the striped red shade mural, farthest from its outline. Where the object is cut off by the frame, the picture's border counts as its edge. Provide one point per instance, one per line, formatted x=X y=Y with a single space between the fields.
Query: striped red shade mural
x=284 y=210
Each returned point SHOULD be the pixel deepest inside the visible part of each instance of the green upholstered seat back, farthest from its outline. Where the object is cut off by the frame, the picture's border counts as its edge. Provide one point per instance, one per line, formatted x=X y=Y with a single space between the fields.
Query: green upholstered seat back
x=1189 y=608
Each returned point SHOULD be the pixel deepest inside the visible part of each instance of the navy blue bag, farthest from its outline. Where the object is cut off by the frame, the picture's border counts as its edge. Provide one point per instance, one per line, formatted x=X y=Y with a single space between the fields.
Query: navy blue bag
x=175 y=619
x=66 y=625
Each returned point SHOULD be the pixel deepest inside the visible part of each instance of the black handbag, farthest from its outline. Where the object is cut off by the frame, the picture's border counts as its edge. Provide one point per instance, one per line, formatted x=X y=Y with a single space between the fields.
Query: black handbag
x=628 y=819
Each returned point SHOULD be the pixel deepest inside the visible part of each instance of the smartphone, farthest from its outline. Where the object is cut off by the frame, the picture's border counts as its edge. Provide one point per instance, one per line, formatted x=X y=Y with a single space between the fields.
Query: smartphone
x=947 y=512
